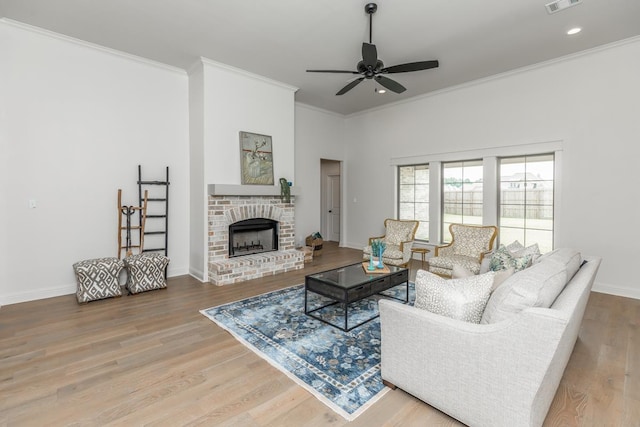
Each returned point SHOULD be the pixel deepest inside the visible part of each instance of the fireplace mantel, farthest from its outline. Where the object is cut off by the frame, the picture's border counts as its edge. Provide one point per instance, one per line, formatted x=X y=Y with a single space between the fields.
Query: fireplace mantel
x=247 y=190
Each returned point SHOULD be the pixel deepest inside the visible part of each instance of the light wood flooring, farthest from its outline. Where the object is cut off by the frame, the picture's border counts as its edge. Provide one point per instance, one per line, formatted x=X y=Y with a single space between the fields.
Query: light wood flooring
x=153 y=359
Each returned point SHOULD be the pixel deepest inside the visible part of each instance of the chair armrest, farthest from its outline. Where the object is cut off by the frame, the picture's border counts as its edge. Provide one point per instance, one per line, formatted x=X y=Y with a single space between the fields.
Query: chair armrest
x=481 y=374
x=484 y=254
x=443 y=250
x=405 y=248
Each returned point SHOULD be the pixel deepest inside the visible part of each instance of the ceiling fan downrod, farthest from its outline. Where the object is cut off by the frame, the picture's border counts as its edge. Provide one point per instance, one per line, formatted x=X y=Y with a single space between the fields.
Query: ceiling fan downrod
x=370 y=8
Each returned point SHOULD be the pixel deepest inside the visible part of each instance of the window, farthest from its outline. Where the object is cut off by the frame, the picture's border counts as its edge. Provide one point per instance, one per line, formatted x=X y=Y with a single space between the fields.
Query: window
x=461 y=194
x=413 y=200
x=512 y=187
x=526 y=200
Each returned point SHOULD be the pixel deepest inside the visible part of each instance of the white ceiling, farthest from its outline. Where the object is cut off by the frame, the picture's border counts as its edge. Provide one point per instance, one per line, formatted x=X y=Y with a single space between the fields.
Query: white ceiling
x=280 y=39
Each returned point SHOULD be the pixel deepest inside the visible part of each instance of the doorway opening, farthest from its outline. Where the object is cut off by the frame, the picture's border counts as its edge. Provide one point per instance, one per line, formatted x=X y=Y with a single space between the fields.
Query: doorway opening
x=331 y=196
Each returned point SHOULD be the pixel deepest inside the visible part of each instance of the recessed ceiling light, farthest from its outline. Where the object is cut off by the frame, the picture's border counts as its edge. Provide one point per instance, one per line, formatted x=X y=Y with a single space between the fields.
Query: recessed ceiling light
x=380 y=90
x=574 y=31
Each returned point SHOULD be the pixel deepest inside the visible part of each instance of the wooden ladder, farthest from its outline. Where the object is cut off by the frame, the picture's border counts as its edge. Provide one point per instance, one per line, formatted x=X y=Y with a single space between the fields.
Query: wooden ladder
x=126 y=212
x=157 y=229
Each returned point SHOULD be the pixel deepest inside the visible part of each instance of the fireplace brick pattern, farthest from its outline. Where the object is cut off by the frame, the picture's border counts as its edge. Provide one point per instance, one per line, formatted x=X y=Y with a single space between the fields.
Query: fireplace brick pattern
x=226 y=210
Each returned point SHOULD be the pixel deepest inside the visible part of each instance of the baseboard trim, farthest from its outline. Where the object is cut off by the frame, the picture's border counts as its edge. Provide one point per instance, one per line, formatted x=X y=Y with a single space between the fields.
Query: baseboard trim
x=37 y=294
x=68 y=289
x=616 y=290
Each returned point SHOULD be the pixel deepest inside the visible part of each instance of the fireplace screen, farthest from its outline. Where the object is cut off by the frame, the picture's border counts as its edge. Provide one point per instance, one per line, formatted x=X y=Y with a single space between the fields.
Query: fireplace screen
x=253 y=236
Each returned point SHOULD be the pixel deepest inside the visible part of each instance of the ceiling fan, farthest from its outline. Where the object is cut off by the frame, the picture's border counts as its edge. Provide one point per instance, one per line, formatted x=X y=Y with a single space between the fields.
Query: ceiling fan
x=372 y=68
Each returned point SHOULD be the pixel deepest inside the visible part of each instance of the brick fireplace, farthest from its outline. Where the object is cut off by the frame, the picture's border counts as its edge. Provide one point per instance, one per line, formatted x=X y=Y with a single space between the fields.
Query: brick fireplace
x=226 y=209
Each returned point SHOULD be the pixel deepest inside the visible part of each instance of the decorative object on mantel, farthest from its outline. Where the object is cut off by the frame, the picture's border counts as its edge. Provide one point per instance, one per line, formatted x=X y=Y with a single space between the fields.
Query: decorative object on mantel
x=256 y=159
x=285 y=190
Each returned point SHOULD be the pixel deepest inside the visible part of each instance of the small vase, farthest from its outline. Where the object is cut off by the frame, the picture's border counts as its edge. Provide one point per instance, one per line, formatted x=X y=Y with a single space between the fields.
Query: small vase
x=380 y=264
x=371 y=264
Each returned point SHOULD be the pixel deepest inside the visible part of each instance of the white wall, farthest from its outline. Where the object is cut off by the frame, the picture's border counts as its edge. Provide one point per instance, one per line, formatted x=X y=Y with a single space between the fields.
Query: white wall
x=589 y=102
x=197 y=185
x=76 y=121
x=319 y=135
x=234 y=100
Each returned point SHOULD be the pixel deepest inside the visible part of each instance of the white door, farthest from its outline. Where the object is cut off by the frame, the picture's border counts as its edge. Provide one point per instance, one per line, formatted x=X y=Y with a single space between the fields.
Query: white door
x=333 y=205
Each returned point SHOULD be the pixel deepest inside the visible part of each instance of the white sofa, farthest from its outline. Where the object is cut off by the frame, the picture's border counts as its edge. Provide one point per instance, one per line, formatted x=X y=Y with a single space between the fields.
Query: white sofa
x=489 y=374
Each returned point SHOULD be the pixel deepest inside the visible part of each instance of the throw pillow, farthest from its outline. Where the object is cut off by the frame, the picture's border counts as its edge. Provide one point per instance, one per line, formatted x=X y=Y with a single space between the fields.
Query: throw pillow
x=486 y=262
x=501 y=276
x=515 y=246
x=502 y=259
x=461 y=299
x=532 y=250
x=459 y=272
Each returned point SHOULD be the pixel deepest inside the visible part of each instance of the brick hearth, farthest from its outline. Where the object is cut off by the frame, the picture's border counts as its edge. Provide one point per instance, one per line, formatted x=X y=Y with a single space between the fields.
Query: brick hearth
x=225 y=210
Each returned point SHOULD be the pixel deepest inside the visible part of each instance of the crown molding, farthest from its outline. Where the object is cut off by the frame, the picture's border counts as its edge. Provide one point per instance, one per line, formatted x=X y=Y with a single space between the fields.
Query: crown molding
x=245 y=73
x=320 y=110
x=499 y=76
x=94 y=46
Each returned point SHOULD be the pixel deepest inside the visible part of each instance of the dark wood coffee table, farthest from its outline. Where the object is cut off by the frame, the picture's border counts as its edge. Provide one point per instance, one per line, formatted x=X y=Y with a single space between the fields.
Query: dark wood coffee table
x=350 y=284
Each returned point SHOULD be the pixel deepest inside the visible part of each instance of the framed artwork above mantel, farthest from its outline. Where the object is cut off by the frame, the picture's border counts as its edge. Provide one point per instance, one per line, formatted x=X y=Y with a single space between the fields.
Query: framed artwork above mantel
x=256 y=159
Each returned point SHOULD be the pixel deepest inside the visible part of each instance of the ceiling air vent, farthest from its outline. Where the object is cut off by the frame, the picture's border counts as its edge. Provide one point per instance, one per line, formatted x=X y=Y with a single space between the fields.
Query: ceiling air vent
x=558 y=5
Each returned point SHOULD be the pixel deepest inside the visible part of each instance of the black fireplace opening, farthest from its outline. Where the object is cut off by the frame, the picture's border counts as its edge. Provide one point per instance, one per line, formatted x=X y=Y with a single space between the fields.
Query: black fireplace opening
x=253 y=236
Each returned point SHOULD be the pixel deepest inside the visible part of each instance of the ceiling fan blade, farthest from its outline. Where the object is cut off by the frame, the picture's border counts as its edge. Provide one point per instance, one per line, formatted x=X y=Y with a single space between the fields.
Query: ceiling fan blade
x=350 y=86
x=369 y=55
x=411 y=66
x=392 y=85
x=332 y=71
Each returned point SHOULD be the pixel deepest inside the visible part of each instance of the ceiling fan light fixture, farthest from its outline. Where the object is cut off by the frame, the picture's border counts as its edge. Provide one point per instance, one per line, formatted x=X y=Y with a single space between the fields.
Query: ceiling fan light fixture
x=380 y=90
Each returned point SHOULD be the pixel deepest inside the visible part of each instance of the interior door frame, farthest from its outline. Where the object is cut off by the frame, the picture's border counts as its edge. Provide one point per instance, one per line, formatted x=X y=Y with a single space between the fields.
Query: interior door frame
x=329 y=167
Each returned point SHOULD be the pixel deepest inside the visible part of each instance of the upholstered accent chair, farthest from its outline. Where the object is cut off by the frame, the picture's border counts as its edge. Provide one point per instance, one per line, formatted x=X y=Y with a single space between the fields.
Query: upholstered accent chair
x=469 y=245
x=398 y=237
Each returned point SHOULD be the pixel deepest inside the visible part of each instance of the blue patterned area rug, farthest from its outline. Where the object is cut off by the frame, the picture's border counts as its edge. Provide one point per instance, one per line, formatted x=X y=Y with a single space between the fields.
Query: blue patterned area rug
x=341 y=369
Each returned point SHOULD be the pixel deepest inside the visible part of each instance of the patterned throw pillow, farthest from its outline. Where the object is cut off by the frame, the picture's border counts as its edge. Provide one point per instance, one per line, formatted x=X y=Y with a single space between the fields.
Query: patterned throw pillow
x=461 y=299
x=502 y=259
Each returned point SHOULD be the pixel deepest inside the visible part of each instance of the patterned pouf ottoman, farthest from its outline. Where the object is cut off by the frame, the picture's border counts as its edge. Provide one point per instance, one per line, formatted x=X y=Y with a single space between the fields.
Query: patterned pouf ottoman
x=98 y=278
x=145 y=272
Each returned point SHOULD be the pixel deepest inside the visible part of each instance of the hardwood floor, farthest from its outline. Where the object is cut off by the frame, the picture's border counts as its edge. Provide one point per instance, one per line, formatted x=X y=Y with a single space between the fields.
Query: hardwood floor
x=153 y=359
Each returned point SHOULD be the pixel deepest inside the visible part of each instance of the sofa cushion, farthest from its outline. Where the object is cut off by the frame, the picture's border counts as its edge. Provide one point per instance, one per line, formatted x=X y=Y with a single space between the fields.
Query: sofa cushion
x=568 y=257
x=462 y=299
x=536 y=286
x=502 y=259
